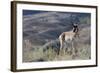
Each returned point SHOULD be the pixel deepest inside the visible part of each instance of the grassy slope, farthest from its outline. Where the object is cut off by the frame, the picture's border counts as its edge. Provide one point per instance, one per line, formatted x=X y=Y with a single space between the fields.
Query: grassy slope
x=81 y=44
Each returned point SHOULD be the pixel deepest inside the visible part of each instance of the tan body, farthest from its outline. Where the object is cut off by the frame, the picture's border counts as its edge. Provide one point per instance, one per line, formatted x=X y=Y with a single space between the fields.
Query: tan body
x=68 y=36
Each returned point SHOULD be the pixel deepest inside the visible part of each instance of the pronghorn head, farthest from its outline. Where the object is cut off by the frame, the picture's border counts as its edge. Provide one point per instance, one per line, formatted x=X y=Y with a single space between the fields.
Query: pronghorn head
x=75 y=28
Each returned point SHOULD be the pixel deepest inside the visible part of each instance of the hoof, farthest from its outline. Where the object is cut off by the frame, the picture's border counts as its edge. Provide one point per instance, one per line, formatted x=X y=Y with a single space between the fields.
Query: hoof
x=74 y=56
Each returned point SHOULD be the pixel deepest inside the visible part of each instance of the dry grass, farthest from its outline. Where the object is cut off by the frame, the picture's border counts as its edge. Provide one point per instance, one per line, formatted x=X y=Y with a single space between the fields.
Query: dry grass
x=83 y=52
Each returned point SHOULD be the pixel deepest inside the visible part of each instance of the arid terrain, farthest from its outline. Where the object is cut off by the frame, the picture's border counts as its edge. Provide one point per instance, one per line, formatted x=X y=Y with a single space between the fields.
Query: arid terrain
x=41 y=32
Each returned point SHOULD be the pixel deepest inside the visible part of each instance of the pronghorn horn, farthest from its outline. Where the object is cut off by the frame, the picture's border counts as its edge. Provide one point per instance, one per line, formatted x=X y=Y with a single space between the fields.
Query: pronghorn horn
x=75 y=24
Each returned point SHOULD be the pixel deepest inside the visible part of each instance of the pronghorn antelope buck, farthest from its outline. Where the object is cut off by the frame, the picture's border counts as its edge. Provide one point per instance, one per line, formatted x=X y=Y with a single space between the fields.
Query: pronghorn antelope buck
x=69 y=36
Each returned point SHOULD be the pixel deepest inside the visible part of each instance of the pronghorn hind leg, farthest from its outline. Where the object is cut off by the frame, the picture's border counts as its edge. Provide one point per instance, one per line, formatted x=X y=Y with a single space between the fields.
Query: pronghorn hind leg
x=61 y=45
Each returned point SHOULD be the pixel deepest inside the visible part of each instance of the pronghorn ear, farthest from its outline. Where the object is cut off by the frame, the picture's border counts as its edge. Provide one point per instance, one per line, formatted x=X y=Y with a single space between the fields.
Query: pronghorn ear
x=73 y=24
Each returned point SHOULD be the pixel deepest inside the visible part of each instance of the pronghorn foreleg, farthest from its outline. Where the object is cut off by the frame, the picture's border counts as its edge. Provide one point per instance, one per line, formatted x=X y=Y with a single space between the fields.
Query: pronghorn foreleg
x=73 y=50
